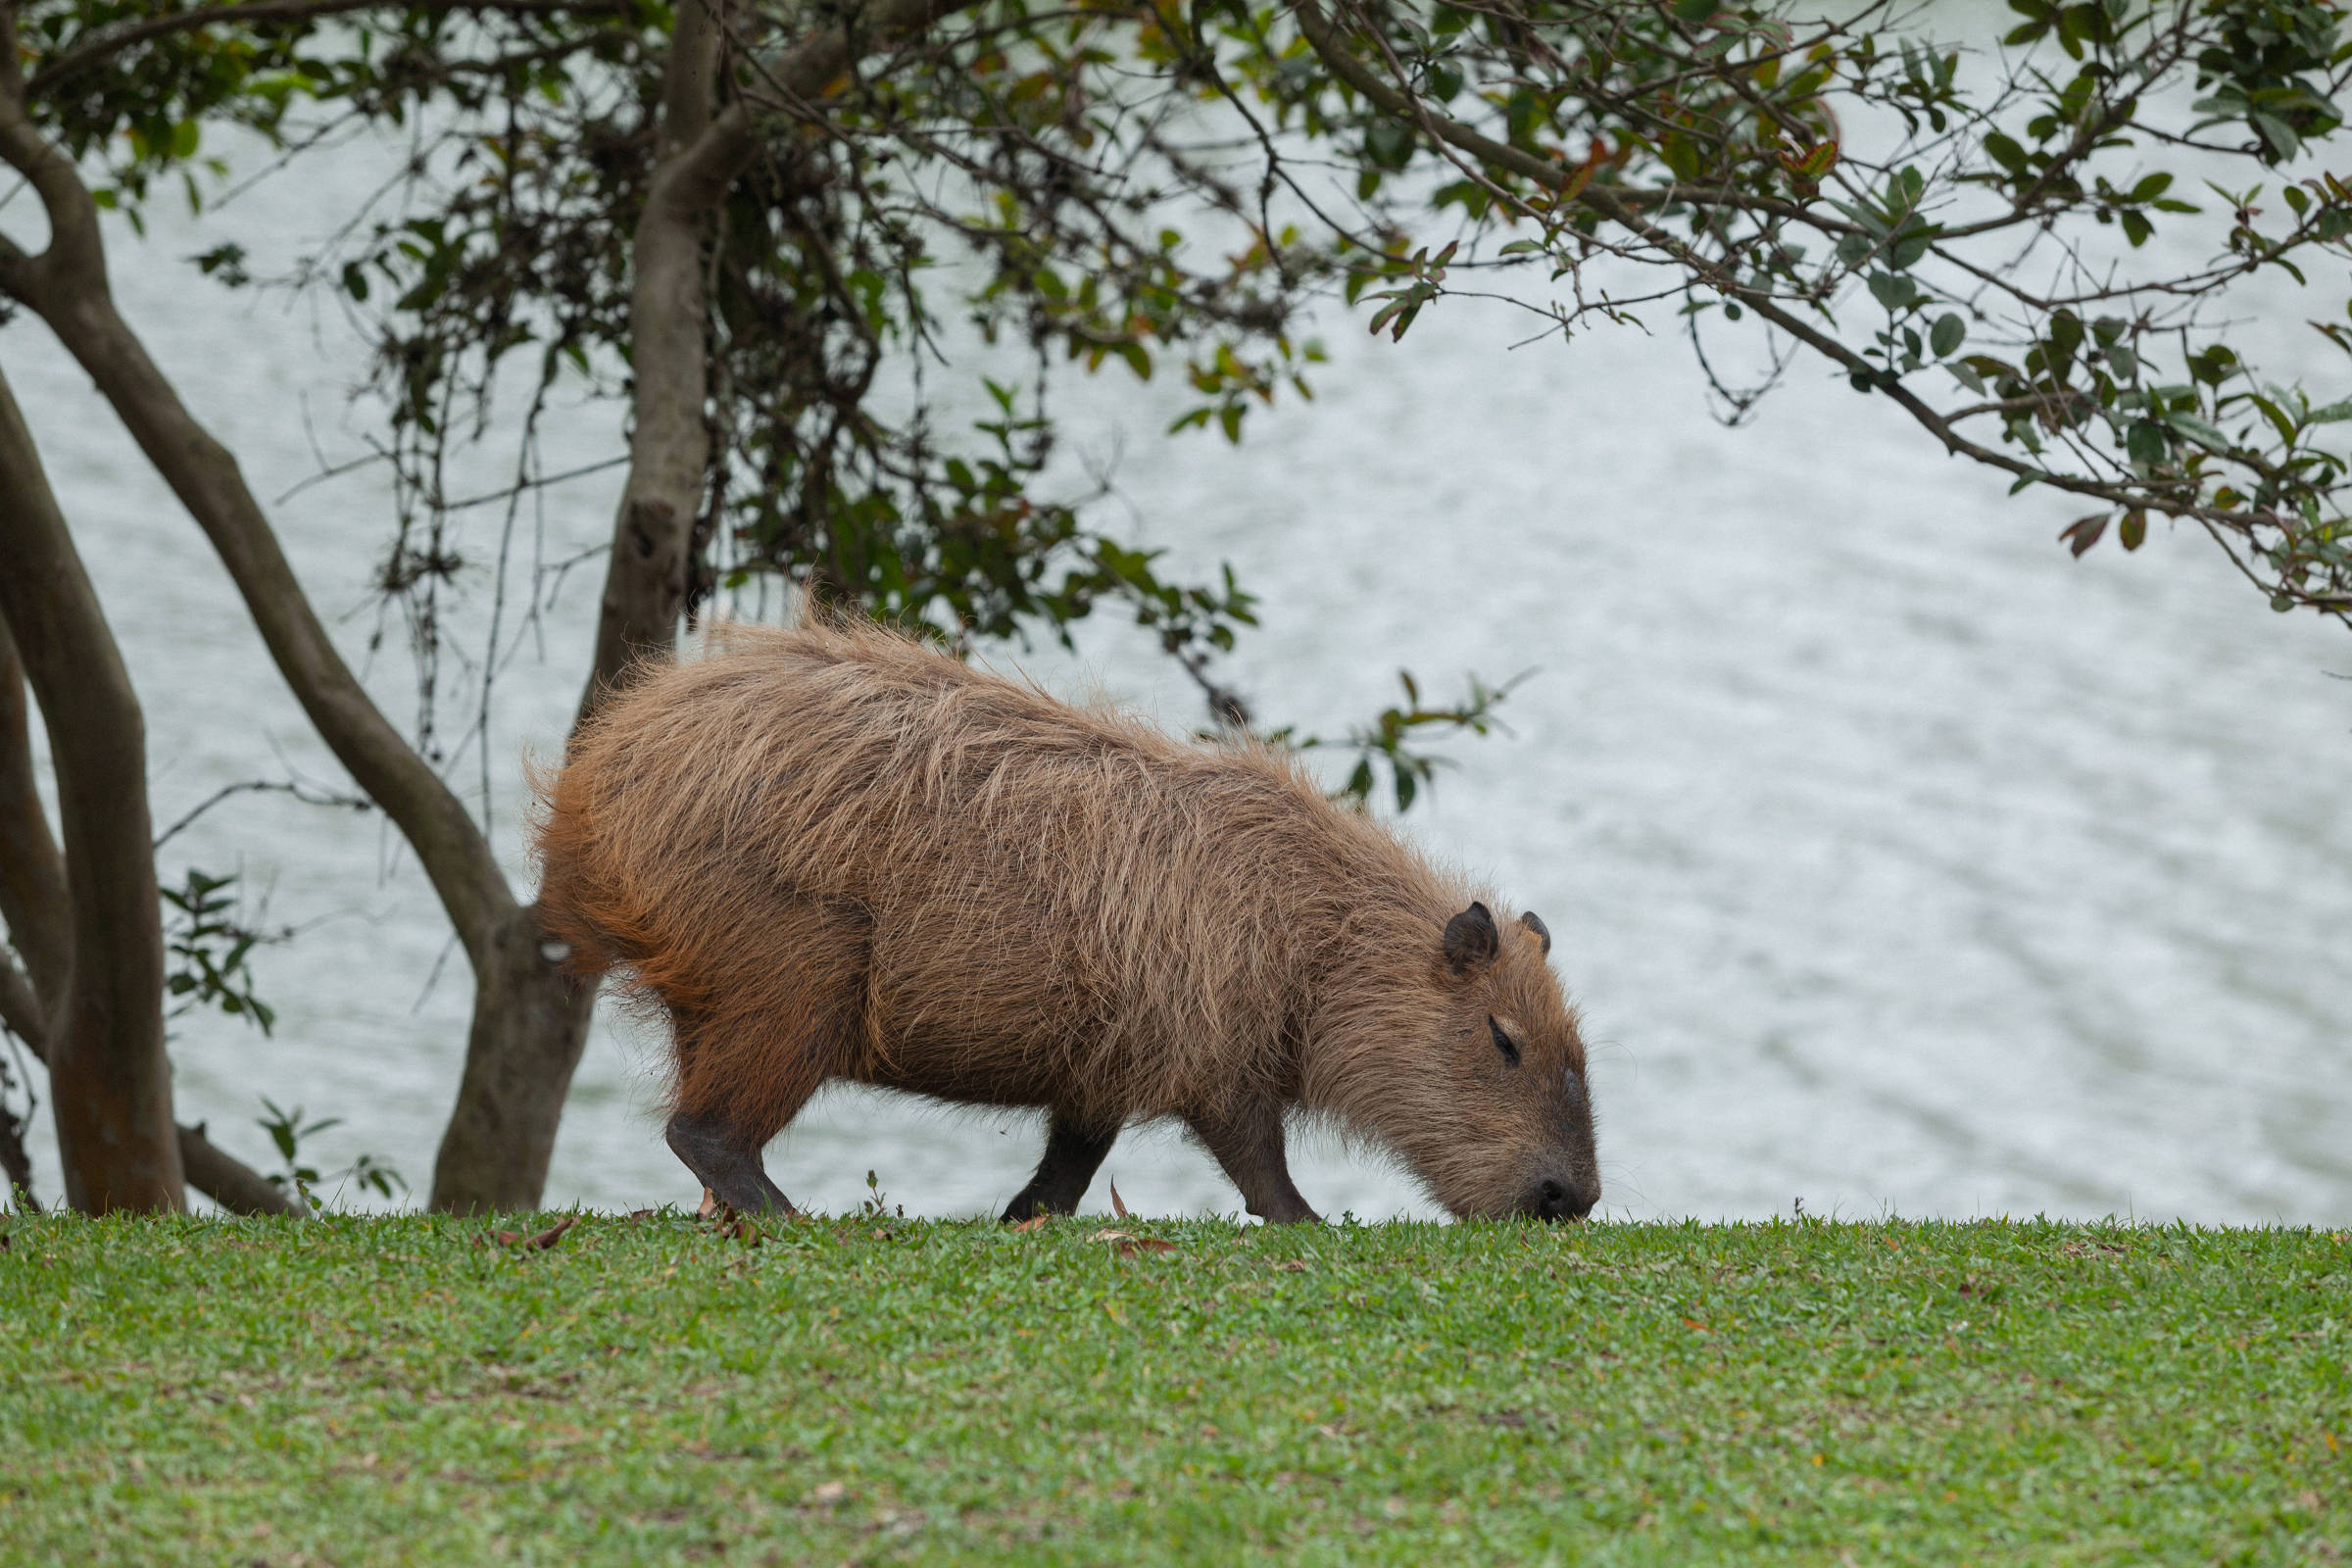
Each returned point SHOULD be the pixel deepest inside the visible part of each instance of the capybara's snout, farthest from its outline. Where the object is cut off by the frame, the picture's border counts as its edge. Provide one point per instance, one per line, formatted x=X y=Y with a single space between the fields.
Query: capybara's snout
x=1556 y=1198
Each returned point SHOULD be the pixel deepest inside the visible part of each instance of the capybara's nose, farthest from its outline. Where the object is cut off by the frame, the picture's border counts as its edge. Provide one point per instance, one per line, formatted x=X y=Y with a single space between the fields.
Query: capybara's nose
x=1556 y=1201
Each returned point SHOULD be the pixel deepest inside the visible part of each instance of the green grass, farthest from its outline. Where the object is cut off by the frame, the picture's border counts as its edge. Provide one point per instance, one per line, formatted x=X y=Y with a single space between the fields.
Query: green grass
x=388 y=1391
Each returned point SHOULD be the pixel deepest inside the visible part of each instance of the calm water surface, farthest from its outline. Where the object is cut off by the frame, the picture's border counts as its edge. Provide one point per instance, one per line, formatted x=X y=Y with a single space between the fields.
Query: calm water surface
x=1898 y=861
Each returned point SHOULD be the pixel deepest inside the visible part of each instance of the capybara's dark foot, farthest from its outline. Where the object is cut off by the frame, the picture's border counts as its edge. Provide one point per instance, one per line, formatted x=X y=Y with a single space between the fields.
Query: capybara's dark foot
x=1073 y=1153
x=726 y=1162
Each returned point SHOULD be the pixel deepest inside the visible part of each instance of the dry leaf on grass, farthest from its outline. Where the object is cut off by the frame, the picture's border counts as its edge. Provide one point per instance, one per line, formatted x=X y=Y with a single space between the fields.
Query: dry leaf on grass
x=729 y=1224
x=1035 y=1222
x=1292 y=1266
x=530 y=1244
x=1129 y=1244
x=1118 y=1206
x=554 y=1233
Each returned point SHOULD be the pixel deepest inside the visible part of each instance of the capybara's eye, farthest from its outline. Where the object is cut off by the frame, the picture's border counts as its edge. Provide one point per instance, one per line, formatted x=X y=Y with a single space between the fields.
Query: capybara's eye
x=1502 y=1042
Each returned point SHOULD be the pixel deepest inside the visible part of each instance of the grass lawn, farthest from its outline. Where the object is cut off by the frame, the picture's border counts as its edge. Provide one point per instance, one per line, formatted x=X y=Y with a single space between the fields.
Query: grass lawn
x=406 y=1390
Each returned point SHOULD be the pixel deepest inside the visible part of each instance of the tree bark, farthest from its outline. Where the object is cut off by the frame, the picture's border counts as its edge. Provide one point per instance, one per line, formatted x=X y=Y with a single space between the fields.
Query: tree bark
x=669 y=440
x=34 y=903
x=34 y=907
x=110 y=1085
x=530 y=1024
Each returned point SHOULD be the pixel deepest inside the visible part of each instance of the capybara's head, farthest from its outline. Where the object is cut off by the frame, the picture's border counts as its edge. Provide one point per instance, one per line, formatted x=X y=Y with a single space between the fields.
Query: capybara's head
x=1494 y=1117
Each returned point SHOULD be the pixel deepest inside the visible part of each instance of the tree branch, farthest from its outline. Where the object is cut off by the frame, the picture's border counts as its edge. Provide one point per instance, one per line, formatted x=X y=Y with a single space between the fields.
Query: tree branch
x=1606 y=203
x=228 y=1181
x=67 y=286
x=114 y=40
x=20 y=1011
x=34 y=903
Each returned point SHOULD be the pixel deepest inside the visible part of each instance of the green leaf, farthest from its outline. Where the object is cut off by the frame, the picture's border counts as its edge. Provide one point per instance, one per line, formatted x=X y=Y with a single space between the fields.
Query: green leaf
x=2196 y=429
x=2146 y=442
x=2066 y=334
x=2005 y=152
x=1948 y=334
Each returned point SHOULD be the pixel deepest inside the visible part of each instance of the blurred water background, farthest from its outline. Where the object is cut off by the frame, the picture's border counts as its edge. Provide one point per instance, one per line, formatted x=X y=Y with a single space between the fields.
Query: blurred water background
x=1900 y=862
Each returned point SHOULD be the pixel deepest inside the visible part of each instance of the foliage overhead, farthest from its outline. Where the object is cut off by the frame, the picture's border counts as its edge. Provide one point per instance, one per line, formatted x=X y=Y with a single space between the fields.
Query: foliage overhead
x=2038 y=241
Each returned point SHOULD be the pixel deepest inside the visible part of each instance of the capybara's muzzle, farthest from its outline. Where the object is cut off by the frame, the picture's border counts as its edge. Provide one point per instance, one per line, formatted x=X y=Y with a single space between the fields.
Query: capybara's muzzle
x=1552 y=1200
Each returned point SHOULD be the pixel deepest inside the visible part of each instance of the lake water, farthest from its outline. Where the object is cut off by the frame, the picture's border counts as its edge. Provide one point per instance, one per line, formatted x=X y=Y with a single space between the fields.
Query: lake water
x=1898 y=861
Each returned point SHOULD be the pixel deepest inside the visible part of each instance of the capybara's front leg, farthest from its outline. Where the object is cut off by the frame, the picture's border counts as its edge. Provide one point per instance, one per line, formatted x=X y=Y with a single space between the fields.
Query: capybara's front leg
x=1247 y=1140
x=727 y=1162
x=1074 y=1152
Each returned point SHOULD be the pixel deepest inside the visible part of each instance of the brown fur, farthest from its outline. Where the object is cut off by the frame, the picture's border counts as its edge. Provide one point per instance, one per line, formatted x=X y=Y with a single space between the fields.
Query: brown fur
x=830 y=852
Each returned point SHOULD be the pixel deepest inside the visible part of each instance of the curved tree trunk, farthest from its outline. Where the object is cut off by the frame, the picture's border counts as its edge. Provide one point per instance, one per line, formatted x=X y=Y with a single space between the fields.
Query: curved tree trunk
x=110 y=1085
x=36 y=912
x=530 y=1020
x=530 y=1024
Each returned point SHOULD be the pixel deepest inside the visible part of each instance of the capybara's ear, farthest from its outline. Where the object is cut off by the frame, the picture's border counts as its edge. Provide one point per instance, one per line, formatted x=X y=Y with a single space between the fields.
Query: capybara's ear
x=1471 y=938
x=1535 y=922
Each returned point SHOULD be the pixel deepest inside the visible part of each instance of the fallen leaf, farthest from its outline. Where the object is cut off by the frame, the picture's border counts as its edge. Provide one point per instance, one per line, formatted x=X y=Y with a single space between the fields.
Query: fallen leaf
x=506 y=1238
x=1691 y=1322
x=554 y=1233
x=1152 y=1243
x=643 y=1213
x=1117 y=1205
x=1108 y=1236
x=1037 y=1222
x=832 y=1492
x=1116 y=1313
x=709 y=1205
x=1290 y=1266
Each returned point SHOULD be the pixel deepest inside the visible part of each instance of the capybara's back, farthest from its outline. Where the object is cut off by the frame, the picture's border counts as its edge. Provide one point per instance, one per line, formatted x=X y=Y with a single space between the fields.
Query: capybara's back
x=833 y=851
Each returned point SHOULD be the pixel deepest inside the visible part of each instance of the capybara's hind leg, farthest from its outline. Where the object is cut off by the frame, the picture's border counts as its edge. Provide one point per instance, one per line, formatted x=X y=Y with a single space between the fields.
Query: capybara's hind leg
x=1074 y=1152
x=726 y=1161
x=1247 y=1140
x=747 y=1065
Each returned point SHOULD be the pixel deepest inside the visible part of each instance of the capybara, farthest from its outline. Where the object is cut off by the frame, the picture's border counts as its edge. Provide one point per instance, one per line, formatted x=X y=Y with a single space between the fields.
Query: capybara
x=832 y=851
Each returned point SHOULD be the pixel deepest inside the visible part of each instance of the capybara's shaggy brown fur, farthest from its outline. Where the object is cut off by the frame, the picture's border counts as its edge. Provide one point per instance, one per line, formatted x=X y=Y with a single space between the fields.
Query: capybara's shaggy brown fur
x=830 y=852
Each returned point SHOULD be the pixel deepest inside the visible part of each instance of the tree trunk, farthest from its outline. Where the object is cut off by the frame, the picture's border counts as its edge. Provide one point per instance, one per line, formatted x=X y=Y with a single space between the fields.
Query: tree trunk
x=110 y=1085
x=34 y=910
x=530 y=1023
